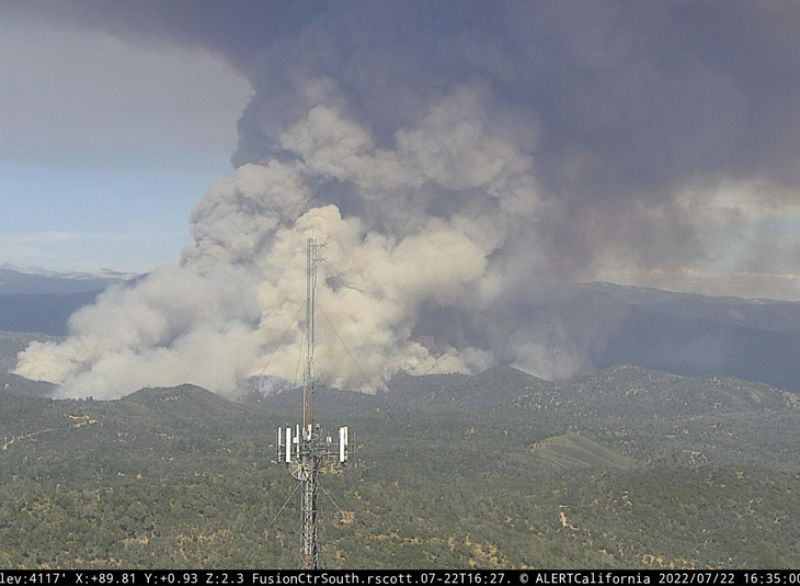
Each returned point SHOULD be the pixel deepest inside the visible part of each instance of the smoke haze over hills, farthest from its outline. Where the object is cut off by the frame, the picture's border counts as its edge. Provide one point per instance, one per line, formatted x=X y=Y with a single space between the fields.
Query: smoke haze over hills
x=453 y=157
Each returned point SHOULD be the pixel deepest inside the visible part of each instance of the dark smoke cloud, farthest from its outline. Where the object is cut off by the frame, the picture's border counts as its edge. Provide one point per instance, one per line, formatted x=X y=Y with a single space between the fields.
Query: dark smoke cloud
x=538 y=140
x=238 y=31
x=623 y=101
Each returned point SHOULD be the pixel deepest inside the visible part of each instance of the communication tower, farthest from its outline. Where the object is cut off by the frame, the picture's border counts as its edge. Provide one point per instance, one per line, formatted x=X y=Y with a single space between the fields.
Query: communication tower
x=302 y=450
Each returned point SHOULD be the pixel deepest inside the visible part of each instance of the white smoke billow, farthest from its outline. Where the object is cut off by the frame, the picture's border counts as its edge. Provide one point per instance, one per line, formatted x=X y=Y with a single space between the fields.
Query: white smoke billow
x=214 y=320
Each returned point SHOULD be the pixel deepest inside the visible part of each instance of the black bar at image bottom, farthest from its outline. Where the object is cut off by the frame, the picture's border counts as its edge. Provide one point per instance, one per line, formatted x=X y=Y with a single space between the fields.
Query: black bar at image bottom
x=393 y=577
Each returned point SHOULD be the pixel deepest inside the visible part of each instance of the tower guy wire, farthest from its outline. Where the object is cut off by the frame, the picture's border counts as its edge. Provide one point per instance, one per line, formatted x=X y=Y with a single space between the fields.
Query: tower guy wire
x=275 y=349
x=353 y=358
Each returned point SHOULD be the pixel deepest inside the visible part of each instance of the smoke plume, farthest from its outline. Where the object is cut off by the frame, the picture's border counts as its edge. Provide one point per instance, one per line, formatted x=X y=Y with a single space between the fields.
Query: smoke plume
x=452 y=156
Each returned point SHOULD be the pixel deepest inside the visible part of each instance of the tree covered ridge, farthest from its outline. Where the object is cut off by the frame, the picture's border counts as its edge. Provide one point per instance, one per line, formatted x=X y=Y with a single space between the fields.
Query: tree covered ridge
x=624 y=468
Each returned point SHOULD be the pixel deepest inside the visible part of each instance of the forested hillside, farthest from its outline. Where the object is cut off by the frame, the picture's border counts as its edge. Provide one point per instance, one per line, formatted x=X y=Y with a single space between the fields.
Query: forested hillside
x=625 y=468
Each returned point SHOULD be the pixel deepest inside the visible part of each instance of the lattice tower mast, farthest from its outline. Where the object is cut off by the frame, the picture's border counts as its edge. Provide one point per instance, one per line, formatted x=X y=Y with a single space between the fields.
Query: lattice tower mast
x=309 y=456
x=303 y=451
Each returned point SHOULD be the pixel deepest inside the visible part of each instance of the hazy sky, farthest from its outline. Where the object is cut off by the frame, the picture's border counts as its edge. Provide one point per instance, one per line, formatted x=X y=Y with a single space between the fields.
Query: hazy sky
x=663 y=136
x=106 y=146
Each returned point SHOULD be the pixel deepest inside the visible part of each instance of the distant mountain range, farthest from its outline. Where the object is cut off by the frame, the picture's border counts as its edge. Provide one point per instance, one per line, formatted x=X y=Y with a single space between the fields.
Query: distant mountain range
x=600 y=324
x=38 y=300
x=752 y=339
x=37 y=281
x=603 y=324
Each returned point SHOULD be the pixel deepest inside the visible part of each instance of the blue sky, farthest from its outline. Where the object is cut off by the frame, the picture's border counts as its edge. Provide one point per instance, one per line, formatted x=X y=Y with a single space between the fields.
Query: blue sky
x=105 y=146
x=72 y=217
